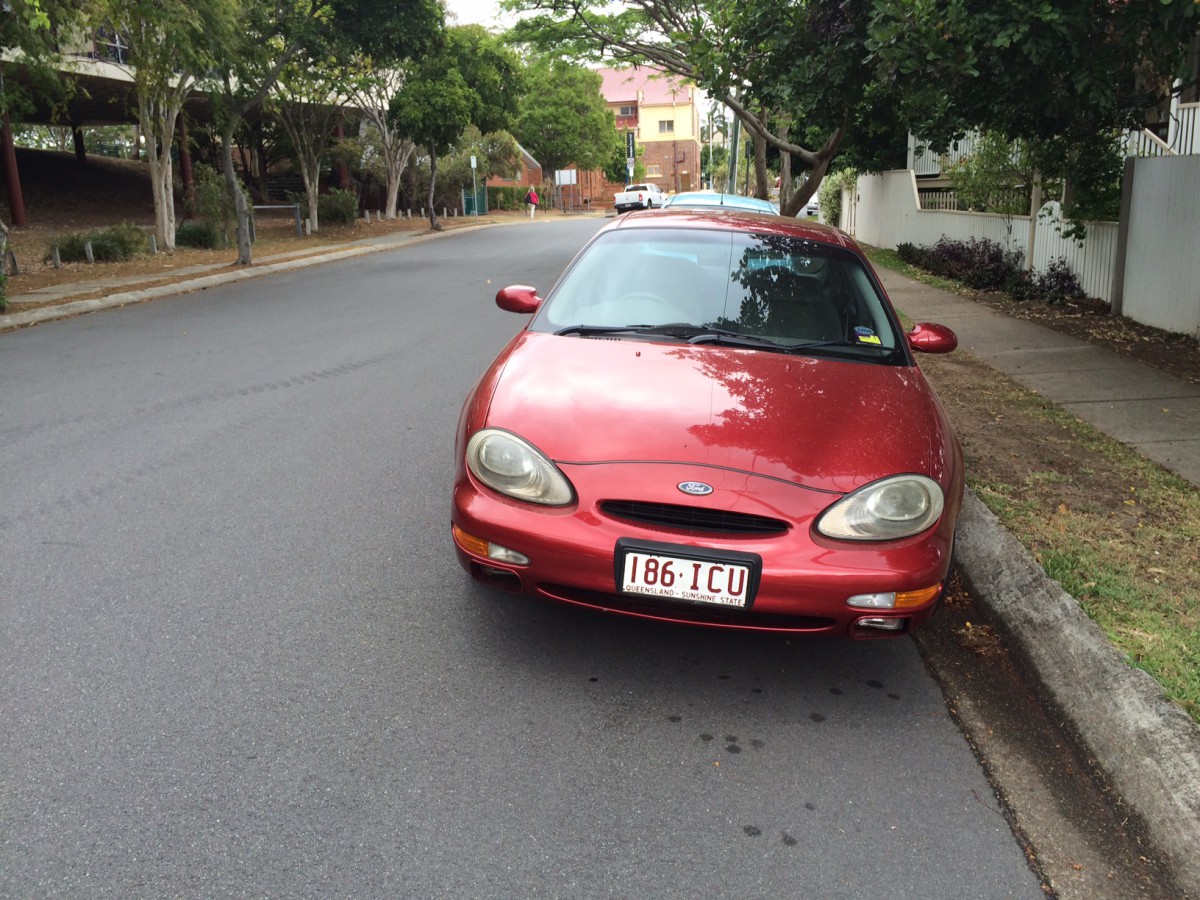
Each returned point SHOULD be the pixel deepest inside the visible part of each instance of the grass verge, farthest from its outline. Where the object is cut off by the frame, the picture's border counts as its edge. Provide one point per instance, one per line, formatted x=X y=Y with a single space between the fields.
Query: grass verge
x=1119 y=533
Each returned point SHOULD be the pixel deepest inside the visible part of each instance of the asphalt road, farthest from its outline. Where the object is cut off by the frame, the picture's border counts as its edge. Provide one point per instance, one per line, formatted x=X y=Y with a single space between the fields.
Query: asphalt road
x=237 y=657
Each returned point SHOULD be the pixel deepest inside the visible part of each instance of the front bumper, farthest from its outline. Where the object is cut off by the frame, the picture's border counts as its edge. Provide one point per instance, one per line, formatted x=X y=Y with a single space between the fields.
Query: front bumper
x=806 y=578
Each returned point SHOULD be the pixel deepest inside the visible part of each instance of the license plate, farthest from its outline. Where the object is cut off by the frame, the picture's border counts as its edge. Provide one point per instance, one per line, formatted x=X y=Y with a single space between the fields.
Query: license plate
x=721 y=582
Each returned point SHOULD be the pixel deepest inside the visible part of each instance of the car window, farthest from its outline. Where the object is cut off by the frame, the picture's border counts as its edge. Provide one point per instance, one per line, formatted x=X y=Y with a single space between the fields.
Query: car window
x=789 y=290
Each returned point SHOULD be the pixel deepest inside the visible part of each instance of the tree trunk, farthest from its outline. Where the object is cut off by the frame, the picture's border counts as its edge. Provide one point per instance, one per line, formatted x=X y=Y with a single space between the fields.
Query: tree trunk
x=397 y=162
x=158 y=156
x=433 y=221
x=239 y=196
x=312 y=186
x=12 y=178
x=393 y=194
x=762 y=183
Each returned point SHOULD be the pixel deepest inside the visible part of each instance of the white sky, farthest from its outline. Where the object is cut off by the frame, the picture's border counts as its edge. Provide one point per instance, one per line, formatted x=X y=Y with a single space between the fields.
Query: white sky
x=476 y=12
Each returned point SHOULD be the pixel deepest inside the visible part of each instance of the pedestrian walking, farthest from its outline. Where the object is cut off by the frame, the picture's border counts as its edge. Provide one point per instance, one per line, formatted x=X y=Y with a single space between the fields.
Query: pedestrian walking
x=531 y=201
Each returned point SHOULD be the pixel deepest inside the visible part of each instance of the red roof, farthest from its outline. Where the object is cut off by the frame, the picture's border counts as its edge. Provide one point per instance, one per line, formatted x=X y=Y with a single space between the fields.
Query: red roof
x=657 y=87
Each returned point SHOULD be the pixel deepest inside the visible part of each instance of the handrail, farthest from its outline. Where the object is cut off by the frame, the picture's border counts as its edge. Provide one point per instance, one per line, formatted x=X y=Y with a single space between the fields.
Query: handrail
x=1155 y=139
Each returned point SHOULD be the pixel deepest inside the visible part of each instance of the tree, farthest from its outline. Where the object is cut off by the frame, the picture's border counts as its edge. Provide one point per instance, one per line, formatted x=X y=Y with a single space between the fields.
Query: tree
x=783 y=67
x=434 y=107
x=372 y=92
x=271 y=35
x=474 y=80
x=996 y=178
x=309 y=102
x=564 y=118
x=27 y=41
x=167 y=50
x=1063 y=77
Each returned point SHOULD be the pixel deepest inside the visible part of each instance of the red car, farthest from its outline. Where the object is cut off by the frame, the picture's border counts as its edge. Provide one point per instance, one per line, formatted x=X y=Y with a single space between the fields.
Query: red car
x=715 y=419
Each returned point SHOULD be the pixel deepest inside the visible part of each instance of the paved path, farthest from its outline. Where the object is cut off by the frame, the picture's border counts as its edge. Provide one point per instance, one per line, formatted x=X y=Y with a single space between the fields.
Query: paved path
x=1156 y=414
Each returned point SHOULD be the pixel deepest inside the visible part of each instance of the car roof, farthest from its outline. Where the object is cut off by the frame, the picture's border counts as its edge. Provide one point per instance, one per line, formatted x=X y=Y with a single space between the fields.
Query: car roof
x=712 y=198
x=730 y=219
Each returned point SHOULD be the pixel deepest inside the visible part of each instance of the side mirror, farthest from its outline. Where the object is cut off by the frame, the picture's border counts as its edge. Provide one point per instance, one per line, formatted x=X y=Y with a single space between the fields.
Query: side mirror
x=518 y=298
x=927 y=337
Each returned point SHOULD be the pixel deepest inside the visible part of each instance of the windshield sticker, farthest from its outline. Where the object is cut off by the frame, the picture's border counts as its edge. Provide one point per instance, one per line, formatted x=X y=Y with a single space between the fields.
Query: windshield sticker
x=865 y=335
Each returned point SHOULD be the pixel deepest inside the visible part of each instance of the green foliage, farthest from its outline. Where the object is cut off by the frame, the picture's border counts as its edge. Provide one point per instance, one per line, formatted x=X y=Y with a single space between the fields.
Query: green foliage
x=434 y=106
x=211 y=201
x=829 y=195
x=510 y=198
x=112 y=244
x=338 y=207
x=564 y=119
x=497 y=155
x=714 y=162
x=996 y=178
x=493 y=73
x=1063 y=77
x=3 y=289
x=202 y=233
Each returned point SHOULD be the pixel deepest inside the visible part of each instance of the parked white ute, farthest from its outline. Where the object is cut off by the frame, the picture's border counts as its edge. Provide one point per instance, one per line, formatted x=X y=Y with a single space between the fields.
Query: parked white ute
x=639 y=196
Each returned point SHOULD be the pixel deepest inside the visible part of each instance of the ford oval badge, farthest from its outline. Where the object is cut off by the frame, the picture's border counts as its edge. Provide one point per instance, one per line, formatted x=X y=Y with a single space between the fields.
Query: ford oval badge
x=695 y=488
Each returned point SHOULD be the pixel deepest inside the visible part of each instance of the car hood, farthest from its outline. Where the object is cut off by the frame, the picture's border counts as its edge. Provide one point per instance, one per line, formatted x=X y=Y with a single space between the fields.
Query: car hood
x=825 y=424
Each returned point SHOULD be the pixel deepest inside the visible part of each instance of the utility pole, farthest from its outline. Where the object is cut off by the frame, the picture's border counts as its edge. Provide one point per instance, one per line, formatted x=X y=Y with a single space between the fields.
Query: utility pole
x=735 y=142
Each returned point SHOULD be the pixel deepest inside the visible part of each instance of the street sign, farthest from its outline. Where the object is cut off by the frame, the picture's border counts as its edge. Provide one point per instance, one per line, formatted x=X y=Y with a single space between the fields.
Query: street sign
x=472 y=162
x=630 y=151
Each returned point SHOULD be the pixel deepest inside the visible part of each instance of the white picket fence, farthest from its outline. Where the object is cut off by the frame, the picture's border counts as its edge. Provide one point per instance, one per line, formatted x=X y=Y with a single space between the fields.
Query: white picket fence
x=1159 y=270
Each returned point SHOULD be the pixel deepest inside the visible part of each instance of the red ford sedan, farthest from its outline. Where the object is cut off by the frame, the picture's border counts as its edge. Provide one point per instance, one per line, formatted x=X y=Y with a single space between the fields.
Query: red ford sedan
x=713 y=419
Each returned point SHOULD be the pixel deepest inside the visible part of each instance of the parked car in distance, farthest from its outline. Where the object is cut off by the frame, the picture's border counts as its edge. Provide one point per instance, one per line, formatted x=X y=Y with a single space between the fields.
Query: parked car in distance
x=713 y=419
x=712 y=200
x=813 y=206
x=639 y=196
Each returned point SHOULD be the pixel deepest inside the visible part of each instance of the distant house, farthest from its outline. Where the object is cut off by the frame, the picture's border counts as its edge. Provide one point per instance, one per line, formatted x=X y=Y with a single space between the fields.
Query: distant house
x=663 y=113
x=530 y=176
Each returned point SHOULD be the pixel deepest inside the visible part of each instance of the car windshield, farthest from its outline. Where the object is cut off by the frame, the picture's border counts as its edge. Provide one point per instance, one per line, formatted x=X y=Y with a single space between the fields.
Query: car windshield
x=765 y=291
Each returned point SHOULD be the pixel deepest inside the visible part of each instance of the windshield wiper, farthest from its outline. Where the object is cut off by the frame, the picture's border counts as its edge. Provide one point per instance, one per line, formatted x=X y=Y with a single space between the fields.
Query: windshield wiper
x=681 y=330
x=588 y=330
x=722 y=336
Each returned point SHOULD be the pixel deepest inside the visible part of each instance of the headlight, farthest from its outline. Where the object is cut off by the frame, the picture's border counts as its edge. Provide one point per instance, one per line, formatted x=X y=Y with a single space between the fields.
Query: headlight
x=895 y=507
x=515 y=468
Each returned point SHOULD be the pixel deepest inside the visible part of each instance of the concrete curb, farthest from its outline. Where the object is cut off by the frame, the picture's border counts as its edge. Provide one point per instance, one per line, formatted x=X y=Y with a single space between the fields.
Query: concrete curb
x=1148 y=747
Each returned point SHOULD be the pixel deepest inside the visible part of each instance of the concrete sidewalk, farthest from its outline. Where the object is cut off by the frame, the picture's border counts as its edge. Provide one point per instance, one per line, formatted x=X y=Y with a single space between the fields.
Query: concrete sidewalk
x=1148 y=748
x=1154 y=413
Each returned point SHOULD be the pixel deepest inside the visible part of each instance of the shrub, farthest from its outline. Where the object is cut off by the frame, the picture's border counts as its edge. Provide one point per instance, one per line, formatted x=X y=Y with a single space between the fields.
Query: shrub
x=200 y=233
x=112 y=244
x=978 y=263
x=1058 y=282
x=338 y=207
x=1021 y=286
x=829 y=194
x=3 y=290
x=511 y=198
x=985 y=265
x=913 y=255
x=212 y=202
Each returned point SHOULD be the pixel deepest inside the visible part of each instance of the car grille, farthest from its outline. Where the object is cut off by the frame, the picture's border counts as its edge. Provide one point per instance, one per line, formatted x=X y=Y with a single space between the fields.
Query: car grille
x=692 y=518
